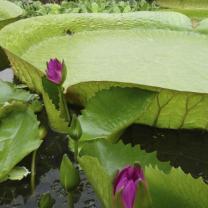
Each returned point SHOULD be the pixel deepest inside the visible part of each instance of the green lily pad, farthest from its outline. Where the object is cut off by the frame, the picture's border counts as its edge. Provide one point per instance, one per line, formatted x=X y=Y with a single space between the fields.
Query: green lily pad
x=17 y=173
x=9 y=13
x=11 y=93
x=169 y=187
x=19 y=129
x=184 y=3
x=192 y=8
x=19 y=136
x=156 y=51
x=101 y=119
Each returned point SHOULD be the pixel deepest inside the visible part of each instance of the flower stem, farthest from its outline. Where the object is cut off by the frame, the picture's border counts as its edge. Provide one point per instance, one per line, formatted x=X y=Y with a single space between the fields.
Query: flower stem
x=76 y=150
x=64 y=104
x=70 y=200
x=33 y=171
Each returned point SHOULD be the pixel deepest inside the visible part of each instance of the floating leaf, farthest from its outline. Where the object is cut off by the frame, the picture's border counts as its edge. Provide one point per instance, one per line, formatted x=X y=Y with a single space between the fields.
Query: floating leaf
x=17 y=173
x=19 y=136
x=172 y=188
x=9 y=13
x=184 y=3
x=196 y=9
x=102 y=119
x=163 y=54
x=10 y=92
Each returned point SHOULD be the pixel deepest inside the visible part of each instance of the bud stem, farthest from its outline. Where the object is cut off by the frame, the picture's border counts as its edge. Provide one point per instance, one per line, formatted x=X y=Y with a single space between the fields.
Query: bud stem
x=64 y=104
x=70 y=200
x=76 y=149
x=33 y=171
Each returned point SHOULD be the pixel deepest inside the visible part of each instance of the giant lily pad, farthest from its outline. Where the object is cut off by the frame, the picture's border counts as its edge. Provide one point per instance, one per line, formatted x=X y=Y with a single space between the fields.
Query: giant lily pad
x=9 y=13
x=195 y=9
x=156 y=51
x=202 y=4
x=169 y=187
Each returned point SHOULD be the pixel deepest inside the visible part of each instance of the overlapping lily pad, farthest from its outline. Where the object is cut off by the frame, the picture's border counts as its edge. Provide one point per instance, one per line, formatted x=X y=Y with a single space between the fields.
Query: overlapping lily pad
x=195 y=9
x=19 y=128
x=156 y=51
x=9 y=13
x=169 y=187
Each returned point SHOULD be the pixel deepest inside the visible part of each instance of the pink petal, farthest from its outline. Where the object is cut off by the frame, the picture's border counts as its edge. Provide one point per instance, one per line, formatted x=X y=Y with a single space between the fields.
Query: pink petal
x=119 y=176
x=54 y=70
x=128 y=195
x=121 y=184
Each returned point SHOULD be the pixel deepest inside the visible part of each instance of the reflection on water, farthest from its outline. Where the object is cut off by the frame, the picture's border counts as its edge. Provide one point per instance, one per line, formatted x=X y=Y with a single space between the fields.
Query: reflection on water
x=184 y=148
x=7 y=75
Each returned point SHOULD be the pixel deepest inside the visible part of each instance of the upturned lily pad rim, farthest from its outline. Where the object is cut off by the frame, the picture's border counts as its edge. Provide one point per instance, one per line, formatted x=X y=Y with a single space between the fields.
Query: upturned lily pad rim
x=185 y=25
x=11 y=10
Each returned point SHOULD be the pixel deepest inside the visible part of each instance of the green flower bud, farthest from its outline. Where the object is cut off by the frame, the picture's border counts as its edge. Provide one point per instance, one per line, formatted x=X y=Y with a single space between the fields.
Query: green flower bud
x=75 y=131
x=69 y=175
x=46 y=201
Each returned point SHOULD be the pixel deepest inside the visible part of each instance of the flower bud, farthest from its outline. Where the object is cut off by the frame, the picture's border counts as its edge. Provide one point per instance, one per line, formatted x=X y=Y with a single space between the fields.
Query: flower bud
x=46 y=201
x=69 y=175
x=75 y=131
x=56 y=71
x=130 y=189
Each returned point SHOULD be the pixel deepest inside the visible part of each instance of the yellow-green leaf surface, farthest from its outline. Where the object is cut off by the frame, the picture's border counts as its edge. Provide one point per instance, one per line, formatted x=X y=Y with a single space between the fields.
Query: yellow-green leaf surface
x=157 y=51
x=11 y=93
x=196 y=9
x=19 y=128
x=19 y=136
x=184 y=3
x=9 y=13
x=102 y=119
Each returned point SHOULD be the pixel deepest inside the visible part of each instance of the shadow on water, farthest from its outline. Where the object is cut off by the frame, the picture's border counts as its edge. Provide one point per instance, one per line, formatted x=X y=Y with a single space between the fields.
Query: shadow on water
x=184 y=148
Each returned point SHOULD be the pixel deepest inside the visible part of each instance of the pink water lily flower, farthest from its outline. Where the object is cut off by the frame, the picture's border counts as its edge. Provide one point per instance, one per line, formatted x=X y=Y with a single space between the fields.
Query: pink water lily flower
x=54 y=71
x=126 y=182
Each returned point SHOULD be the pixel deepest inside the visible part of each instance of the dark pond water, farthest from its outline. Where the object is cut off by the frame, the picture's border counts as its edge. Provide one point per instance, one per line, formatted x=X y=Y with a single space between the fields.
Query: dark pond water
x=187 y=149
